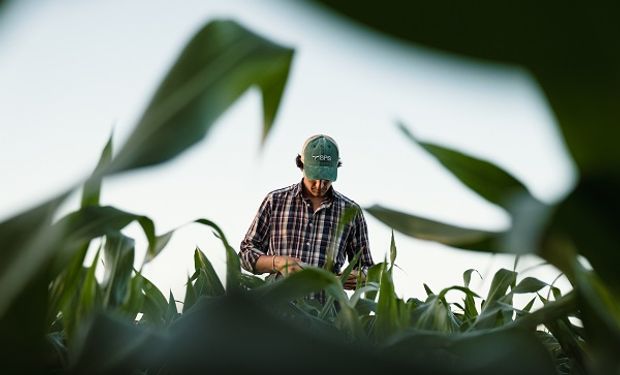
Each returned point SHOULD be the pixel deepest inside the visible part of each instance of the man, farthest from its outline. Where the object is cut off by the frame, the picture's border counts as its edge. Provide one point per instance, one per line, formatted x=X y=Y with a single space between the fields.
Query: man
x=298 y=225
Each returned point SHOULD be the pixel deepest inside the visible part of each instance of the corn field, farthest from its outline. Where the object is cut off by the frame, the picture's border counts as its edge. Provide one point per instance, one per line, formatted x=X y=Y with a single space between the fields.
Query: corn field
x=56 y=316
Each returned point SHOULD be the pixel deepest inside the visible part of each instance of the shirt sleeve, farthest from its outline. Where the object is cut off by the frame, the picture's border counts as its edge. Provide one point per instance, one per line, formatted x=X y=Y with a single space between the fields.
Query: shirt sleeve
x=358 y=242
x=256 y=241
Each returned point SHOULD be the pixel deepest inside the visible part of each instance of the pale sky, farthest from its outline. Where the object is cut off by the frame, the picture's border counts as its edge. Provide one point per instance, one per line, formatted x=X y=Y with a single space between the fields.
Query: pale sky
x=71 y=71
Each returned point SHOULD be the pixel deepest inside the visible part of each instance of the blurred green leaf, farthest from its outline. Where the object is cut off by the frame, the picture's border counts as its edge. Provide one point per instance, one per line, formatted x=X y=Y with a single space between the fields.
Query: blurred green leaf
x=210 y=283
x=502 y=280
x=357 y=295
x=435 y=315
x=190 y=296
x=155 y=304
x=428 y=290
x=374 y=276
x=171 y=313
x=497 y=309
x=504 y=351
x=576 y=67
x=560 y=358
x=26 y=239
x=485 y=178
x=133 y=304
x=89 y=301
x=215 y=68
x=466 y=291
x=387 y=308
x=111 y=345
x=392 y=251
x=432 y=230
x=347 y=217
x=551 y=311
x=118 y=265
x=588 y=221
x=529 y=223
x=233 y=264
x=467 y=276
x=528 y=306
x=298 y=285
x=92 y=186
x=353 y=263
x=529 y=285
x=600 y=310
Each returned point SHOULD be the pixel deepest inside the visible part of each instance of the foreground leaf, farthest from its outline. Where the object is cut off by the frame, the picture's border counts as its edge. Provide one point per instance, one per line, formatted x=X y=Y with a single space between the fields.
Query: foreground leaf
x=217 y=66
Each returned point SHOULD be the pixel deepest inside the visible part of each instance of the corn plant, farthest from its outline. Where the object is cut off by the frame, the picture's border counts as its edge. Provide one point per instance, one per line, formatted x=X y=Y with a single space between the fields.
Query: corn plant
x=55 y=315
x=49 y=295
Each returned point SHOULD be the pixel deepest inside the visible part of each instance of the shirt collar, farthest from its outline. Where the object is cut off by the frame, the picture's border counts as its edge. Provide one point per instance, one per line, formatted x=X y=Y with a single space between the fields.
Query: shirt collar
x=298 y=191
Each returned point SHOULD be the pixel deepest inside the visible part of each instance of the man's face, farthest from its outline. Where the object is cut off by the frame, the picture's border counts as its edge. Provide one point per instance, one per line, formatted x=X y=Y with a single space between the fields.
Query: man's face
x=317 y=188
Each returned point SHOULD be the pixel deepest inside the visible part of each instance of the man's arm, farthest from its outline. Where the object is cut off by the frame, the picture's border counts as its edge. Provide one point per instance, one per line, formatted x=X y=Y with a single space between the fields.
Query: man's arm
x=256 y=241
x=256 y=244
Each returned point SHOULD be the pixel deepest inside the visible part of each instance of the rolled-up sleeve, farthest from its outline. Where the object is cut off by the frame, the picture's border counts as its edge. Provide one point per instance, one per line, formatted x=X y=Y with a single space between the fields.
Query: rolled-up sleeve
x=256 y=241
x=358 y=242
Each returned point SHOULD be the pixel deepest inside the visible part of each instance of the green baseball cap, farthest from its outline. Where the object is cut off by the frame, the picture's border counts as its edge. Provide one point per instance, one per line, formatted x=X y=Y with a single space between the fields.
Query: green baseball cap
x=320 y=157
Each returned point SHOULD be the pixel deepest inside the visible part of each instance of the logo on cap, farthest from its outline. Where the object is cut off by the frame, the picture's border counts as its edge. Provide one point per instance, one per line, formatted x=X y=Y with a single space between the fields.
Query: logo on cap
x=322 y=157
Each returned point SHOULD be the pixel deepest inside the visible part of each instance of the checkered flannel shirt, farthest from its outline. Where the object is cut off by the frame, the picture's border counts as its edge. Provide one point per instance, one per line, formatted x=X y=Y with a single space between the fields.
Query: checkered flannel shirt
x=286 y=225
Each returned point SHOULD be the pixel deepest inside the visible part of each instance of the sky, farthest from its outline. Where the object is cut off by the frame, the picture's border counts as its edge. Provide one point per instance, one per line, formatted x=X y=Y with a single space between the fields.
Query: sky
x=74 y=72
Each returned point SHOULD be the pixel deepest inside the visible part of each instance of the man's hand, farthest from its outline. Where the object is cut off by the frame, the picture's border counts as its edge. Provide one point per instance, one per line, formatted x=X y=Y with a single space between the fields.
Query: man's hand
x=287 y=265
x=351 y=281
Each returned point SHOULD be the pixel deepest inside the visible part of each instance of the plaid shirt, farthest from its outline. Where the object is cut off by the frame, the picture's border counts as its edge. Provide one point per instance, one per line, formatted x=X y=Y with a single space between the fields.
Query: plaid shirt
x=286 y=225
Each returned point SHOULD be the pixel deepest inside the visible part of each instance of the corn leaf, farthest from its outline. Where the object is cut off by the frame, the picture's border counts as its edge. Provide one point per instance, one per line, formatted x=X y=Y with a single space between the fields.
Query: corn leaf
x=217 y=66
x=431 y=230
x=529 y=285
x=92 y=187
x=485 y=178
x=118 y=258
x=28 y=243
x=210 y=284
x=233 y=264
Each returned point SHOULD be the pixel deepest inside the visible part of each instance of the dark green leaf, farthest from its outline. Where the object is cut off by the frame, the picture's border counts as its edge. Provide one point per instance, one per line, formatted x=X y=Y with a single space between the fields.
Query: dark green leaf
x=529 y=305
x=347 y=217
x=387 y=308
x=28 y=243
x=392 y=250
x=212 y=285
x=233 y=264
x=539 y=38
x=497 y=308
x=435 y=315
x=297 y=285
x=600 y=310
x=467 y=276
x=118 y=258
x=529 y=221
x=428 y=290
x=467 y=291
x=485 y=178
x=92 y=187
x=374 y=276
x=133 y=304
x=89 y=300
x=502 y=280
x=432 y=230
x=155 y=304
x=588 y=220
x=171 y=313
x=529 y=285
x=216 y=67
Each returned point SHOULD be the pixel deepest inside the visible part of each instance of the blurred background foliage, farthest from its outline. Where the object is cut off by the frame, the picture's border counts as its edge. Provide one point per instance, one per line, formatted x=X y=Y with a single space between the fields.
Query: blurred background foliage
x=56 y=316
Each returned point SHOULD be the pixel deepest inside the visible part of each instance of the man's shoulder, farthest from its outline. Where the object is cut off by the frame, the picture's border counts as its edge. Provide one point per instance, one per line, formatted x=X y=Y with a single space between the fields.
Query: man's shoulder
x=282 y=192
x=344 y=200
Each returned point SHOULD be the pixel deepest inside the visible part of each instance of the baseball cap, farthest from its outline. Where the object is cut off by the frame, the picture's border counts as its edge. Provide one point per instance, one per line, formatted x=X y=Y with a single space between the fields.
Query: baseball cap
x=320 y=157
